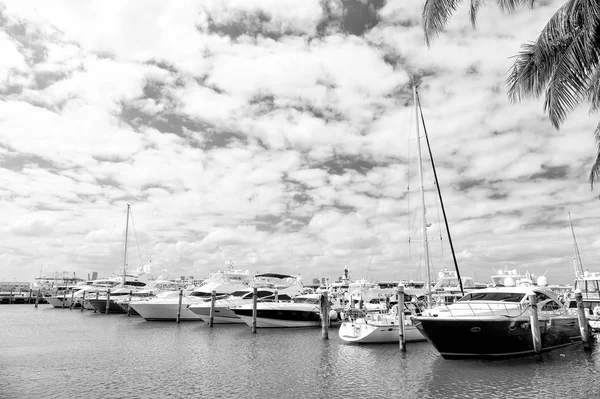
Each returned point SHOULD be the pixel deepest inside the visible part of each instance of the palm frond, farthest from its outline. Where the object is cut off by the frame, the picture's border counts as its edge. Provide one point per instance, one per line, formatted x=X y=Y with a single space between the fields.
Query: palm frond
x=560 y=61
x=594 y=91
x=475 y=5
x=595 y=173
x=511 y=5
x=436 y=14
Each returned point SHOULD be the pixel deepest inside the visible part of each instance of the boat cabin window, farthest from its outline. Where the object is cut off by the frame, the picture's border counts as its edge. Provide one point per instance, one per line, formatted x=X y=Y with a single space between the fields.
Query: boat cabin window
x=136 y=283
x=493 y=296
x=551 y=305
x=240 y=293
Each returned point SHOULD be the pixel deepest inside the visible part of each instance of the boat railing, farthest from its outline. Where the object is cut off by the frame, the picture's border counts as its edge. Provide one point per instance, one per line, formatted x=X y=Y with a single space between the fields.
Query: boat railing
x=482 y=309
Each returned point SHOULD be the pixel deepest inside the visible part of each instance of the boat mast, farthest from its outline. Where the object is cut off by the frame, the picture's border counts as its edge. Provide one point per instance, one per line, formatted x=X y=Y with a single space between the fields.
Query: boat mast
x=125 y=253
x=576 y=248
x=422 y=191
x=439 y=191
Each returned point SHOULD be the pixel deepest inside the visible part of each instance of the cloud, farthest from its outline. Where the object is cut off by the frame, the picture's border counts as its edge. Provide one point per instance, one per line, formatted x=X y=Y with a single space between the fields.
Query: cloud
x=280 y=135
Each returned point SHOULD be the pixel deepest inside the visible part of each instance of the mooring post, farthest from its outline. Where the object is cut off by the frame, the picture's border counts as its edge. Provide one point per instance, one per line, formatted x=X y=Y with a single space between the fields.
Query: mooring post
x=211 y=313
x=535 y=325
x=276 y=295
x=401 y=336
x=29 y=300
x=324 y=315
x=582 y=319
x=107 y=300
x=129 y=304
x=254 y=311
x=10 y=297
x=179 y=305
x=97 y=295
x=37 y=298
x=72 y=298
x=62 y=305
x=82 y=301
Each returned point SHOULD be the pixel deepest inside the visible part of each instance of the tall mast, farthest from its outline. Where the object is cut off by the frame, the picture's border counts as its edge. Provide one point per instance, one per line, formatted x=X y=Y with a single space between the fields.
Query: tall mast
x=422 y=190
x=439 y=191
x=576 y=248
x=125 y=253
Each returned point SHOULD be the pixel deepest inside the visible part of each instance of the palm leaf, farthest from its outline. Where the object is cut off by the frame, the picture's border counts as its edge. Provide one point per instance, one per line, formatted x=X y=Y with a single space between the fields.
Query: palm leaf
x=595 y=173
x=560 y=61
x=436 y=14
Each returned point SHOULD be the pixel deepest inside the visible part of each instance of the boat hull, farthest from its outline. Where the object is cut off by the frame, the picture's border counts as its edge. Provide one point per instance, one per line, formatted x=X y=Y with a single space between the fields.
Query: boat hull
x=364 y=332
x=222 y=315
x=100 y=306
x=163 y=311
x=280 y=318
x=457 y=338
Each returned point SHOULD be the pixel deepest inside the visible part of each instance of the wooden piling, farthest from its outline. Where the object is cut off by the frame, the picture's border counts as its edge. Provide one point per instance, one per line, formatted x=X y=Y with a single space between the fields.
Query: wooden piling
x=107 y=301
x=37 y=298
x=179 y=305
x=324 y=315
x=535 y=325
x=82 y=300
x=582 y=319
x=401 y=335
x=254 y=311
x=30 y=292
x=10 y=297
x=97 y=295
x=129 y=304
x=62 y=305
x=276 y=295
x=72 y=299
x=213 y=299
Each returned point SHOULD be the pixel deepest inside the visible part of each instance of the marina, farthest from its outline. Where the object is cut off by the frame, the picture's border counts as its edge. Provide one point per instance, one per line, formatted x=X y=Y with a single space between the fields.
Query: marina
x=51 y=353
x=265 y=146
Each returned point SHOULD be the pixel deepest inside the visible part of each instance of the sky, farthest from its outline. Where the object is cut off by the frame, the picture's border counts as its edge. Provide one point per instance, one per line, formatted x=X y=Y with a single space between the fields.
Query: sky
x=280 y=135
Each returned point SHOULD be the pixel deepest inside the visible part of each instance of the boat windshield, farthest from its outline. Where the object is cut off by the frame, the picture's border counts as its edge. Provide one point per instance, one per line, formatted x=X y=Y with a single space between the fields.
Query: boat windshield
x=493 y=297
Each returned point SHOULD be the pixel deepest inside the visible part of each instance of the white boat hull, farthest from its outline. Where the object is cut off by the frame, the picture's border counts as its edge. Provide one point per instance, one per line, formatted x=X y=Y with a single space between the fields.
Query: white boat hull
x=279 y=323
x=59 y=301
x=164 y=311
x=363 y=332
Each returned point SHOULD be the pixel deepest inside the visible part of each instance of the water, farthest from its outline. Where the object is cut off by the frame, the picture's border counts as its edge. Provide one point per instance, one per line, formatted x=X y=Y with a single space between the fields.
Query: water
x=60 y=353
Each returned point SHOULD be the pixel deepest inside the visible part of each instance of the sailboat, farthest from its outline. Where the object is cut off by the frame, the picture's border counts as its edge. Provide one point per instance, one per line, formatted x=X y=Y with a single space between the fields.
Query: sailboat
x=128 y=283
x=383 y=327
x=589 y=285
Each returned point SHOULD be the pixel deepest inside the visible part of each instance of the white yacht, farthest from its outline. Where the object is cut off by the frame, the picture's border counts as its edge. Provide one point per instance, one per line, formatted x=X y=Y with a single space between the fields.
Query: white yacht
x=301 y=311
x=270 y=286
x=166 y=307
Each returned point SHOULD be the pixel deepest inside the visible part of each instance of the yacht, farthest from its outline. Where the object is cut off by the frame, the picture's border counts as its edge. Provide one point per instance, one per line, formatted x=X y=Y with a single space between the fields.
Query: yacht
x=381 y=326
x=270 y=286
x=588 y=283
x=151 y=290
x=301 y=311
x=223 y=313
x=130 y=284
x=495 y=322
x=166 y=307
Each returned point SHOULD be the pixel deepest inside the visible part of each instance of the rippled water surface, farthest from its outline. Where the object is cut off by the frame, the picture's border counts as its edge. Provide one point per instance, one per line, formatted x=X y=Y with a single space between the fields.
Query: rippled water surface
x=61 y=353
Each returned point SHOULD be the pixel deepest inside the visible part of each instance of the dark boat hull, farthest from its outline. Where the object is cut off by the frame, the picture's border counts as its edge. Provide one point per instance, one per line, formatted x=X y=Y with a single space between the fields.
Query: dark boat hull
x=459 y=338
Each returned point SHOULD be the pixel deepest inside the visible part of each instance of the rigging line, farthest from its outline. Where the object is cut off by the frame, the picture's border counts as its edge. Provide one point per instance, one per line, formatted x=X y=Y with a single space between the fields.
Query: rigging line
x=136 y=240
x=440 y=196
